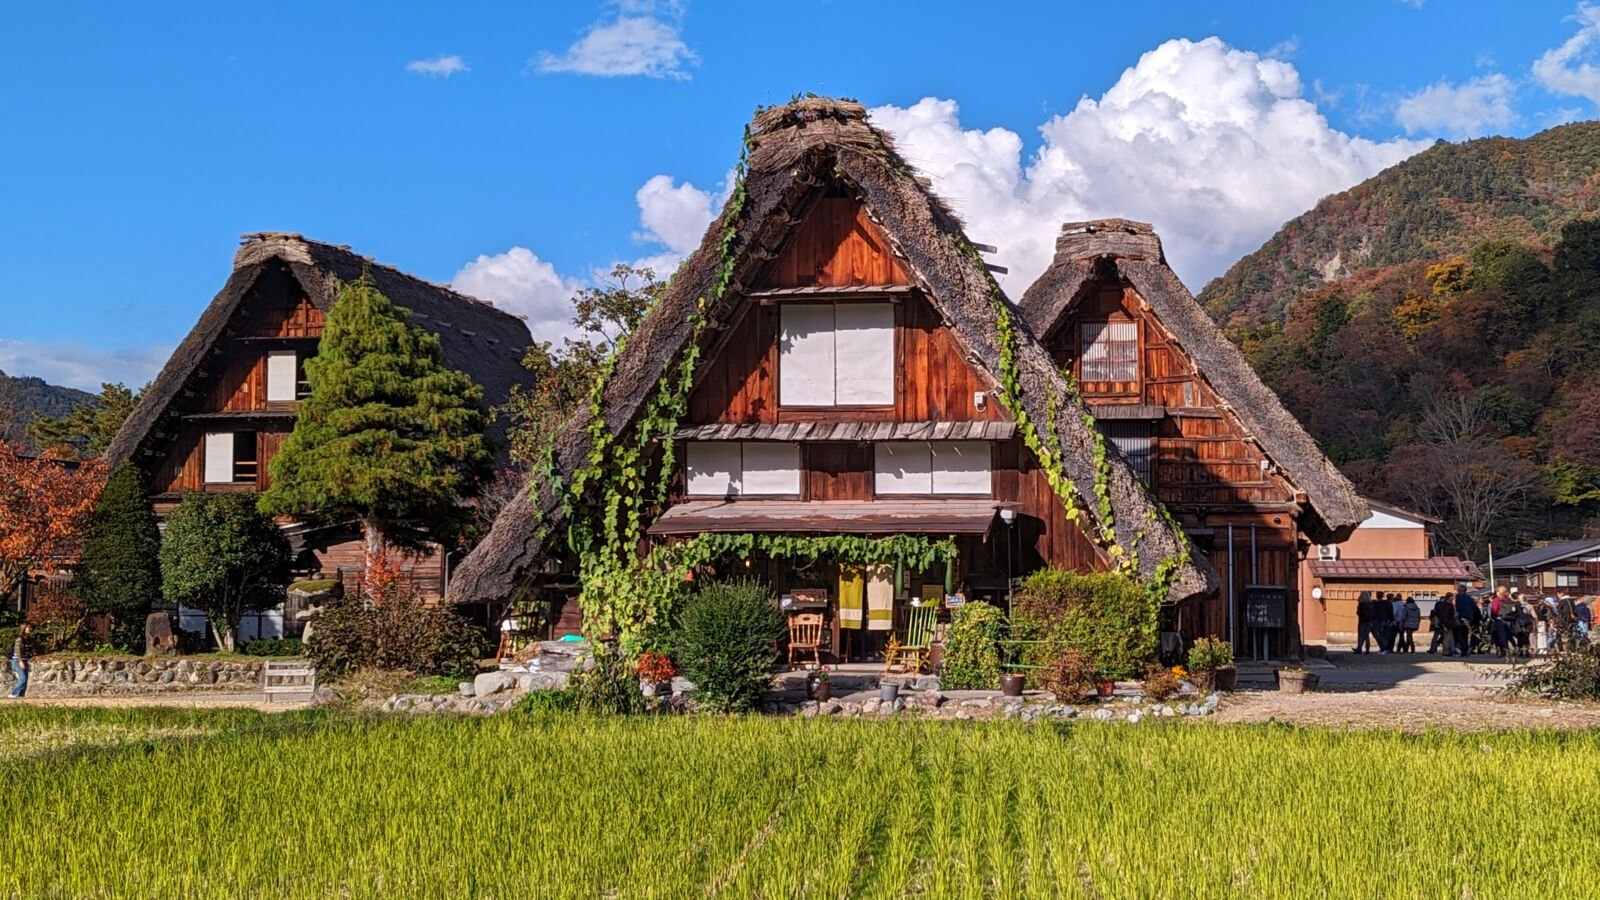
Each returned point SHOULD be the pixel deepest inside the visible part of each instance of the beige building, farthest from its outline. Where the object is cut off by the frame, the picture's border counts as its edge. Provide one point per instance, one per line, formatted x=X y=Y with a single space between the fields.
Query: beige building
x=1388 y=553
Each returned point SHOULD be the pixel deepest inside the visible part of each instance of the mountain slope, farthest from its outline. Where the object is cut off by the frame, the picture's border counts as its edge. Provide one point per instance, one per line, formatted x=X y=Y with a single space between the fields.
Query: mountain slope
x=1437 y=204
x=23 y=397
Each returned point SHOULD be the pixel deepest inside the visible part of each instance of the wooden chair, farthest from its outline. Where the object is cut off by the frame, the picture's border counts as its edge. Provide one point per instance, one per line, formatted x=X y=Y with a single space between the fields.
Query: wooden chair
x=805 y=634
x=910 y=647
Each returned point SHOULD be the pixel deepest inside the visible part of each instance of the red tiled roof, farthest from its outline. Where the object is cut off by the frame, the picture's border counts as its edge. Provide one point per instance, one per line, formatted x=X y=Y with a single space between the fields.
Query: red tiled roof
x=1438 y=568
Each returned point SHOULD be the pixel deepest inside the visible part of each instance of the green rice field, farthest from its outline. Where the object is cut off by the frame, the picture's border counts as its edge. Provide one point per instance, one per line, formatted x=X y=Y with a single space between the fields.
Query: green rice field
x=180 y=804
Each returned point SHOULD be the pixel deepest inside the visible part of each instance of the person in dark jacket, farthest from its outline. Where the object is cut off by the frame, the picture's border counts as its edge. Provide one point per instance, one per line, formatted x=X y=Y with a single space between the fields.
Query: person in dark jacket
x=21 y=652
x=1585 y=616
x=1410 y=621
x=1443 y=619
x=1383 y=616
x=1364 y=622
x=1501 y=619
x=1467 y=616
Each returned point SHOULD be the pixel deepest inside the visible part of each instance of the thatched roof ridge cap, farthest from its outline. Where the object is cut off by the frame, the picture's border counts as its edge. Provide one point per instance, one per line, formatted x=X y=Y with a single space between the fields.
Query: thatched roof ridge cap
x=1107 y=238
x=799 y=112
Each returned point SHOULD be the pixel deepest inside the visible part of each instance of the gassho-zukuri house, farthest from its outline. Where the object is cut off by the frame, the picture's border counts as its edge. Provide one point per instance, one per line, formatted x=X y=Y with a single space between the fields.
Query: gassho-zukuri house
x=225 y=401
x=836 y=360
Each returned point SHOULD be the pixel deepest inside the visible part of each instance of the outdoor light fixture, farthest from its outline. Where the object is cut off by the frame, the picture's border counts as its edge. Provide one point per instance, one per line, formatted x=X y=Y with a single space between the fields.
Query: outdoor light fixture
x=1008 y=515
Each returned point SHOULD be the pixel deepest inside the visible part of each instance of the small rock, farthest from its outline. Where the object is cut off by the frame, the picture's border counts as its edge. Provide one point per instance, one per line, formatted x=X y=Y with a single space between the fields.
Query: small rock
x=810 y=709
x=977 y=703
x=1101 y=715
x=322 y=696
x=963 y=714
x=869 y=706
x=832 y=708
x=1133 y=718
x=682 y=686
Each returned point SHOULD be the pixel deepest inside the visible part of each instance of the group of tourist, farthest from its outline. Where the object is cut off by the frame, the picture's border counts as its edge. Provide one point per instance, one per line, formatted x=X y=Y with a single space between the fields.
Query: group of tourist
x=1503 y=623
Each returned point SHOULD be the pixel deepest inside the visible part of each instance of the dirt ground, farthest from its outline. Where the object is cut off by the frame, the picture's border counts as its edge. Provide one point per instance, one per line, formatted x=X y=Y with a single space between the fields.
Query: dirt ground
x=1409 y=709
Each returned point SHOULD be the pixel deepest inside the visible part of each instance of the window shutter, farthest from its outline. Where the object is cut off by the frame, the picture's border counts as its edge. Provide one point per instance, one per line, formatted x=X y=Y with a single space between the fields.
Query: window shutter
x=714 y=469
x=864 y=349
x=219 y=457
x=805 y=355
x=961 y=467
x=902 y=467
x=280 y=375
x=771 y=468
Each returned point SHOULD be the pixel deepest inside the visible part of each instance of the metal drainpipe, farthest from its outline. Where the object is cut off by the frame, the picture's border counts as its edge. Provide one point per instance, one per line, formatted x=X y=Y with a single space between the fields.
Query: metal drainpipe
x=1255 y=578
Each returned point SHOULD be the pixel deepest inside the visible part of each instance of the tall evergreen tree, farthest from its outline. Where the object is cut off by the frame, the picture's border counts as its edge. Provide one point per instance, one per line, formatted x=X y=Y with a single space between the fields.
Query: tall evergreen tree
x=87 y=431
x=391 y=436
x=225 y=558
x=120 y=570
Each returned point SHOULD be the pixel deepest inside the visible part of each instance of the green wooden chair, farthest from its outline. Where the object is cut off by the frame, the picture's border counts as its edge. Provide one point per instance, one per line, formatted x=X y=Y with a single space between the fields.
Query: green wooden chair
x=909 y=648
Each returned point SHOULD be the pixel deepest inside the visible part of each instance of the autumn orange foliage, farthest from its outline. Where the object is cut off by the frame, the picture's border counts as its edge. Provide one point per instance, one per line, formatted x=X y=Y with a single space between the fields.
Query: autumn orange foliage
x=45 y=508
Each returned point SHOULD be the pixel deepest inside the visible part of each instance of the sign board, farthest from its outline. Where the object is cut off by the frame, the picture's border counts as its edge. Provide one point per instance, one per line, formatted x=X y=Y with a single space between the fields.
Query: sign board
x=953 y=601
x=1266 y=606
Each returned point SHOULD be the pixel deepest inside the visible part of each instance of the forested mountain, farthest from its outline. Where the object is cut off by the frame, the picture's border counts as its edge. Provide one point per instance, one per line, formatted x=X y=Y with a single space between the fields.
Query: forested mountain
x=22 y=398
x=1437 y=329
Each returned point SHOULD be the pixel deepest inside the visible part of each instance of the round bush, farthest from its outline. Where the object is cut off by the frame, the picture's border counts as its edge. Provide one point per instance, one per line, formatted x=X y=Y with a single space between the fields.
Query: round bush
x=1107 y=615
x=727 y=644
x=972 y=648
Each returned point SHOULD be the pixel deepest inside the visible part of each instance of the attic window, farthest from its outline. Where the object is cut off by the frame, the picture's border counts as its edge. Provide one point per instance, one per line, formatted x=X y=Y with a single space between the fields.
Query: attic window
x=1134 y=441
x=1110 y=352
x=836 y=354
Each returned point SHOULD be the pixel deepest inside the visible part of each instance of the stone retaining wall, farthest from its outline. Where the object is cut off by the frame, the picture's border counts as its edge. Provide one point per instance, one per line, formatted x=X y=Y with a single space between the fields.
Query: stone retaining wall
x=73 y=676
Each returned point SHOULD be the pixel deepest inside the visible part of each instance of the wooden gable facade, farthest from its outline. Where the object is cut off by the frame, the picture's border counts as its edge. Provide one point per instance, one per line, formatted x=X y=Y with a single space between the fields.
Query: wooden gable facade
x=839 y=257
x=223 y=405
x=1182 y=428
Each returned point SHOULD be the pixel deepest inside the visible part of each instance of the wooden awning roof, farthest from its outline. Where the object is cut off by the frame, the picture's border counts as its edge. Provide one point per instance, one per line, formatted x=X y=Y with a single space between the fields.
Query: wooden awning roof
x=850 y=431
x=1437 y=568
x=835 y=516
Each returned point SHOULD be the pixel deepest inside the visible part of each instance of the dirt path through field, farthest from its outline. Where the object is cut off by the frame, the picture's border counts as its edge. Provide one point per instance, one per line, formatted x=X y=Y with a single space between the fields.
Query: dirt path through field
x=1409 y=709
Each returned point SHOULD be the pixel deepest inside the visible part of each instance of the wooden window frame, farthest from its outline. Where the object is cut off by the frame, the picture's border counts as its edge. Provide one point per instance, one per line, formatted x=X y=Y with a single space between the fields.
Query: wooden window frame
x=1135 y=386
x=813 y=411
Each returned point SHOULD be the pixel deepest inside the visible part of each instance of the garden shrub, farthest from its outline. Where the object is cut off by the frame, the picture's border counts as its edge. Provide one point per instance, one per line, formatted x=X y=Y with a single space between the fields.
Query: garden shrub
x=1572 y=675
x=727 y=644
x=543 y=703
x=272 y=647
x=1069 y=675
x=971 y=658
x=1107 y=615
x=1160 y=682
x=397 y=632
x=58 y=620
x=1210 y=654
x=608 y=688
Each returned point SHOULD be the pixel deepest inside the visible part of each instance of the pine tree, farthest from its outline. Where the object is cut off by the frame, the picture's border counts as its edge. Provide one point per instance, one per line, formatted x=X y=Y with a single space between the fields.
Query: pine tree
x=120 y=574
x=390 y=436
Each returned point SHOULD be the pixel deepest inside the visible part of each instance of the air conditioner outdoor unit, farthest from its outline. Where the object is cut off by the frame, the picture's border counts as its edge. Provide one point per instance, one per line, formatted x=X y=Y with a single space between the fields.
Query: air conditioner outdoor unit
x=1327 y=552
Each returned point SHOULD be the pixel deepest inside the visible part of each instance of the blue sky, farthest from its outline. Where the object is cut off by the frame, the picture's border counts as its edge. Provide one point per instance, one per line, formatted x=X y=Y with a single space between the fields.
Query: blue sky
x=516 y=149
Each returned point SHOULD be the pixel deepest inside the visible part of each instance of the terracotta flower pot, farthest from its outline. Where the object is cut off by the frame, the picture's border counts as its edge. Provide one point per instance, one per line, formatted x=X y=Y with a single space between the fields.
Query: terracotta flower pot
x=1011 y=685
x=821 y=690
x=1105 y=687
x=1227 y=679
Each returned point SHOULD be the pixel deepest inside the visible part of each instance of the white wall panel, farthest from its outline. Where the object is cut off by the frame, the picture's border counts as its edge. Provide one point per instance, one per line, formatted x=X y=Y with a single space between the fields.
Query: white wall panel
x=864 y=354
x=280 y=375
x=805 y=355
x=714 y=468
x=771 y=468
x=902 y=467
x=961 y=467
x=219 y=457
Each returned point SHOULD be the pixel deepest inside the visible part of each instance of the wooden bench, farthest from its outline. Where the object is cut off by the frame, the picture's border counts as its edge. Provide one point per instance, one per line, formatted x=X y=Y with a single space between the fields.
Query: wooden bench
x=287 y=676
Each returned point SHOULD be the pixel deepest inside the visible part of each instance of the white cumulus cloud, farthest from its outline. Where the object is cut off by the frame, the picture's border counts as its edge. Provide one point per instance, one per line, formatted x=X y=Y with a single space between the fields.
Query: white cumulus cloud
x=1473 y=109
x=77 y=365
x=438 y=67
x=1217 y=147
x=521 y=283
x=674 y=215
x=641 y=39
x=1570 y=68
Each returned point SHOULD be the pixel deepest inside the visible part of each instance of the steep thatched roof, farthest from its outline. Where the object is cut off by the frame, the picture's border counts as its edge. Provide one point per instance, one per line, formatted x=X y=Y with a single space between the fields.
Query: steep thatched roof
x=1088 y=252
x=795 y=152
x=484 y=342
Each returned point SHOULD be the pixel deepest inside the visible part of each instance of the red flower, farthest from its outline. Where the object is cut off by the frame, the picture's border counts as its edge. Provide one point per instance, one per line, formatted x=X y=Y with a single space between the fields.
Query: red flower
x=655 y=668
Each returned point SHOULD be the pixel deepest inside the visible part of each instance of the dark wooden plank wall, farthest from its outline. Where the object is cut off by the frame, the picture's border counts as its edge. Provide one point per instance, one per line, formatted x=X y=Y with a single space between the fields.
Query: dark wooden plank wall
x=344 y=557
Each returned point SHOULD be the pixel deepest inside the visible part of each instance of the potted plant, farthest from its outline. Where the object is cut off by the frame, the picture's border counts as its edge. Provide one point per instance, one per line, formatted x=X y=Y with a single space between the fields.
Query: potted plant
x=1211 y=665
x=1294 y=679
x=1104 y=684
x=656 y=672
x=1011 y=684
x=819 y=686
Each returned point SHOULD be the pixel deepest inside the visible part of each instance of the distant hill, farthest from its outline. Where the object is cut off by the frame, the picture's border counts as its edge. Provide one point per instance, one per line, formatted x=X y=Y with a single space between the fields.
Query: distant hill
x=1437 y=204
x=1437 y=330
x=22 y=398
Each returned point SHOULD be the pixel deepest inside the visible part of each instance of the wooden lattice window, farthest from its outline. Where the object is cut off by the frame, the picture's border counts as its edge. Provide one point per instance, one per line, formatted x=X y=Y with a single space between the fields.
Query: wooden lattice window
x=1110 y=354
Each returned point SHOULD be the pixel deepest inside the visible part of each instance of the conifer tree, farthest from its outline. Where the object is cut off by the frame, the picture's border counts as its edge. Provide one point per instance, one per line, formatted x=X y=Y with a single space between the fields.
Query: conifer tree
x=390 y=436
x=120 y=570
